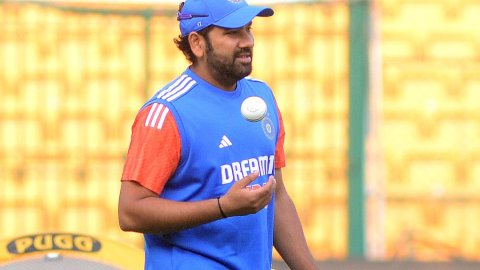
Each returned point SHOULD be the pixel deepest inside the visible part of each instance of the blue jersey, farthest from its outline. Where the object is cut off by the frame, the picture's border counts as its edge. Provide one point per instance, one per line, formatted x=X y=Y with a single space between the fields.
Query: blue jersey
x=218 y=147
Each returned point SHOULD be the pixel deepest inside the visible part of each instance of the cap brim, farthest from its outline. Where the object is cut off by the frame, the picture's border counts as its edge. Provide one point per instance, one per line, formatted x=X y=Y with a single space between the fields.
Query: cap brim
x=242 y=16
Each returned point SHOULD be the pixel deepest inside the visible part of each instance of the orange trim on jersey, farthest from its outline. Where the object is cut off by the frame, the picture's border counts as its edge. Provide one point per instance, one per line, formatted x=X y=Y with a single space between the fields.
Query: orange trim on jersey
x=155 y=148
x=279 y=151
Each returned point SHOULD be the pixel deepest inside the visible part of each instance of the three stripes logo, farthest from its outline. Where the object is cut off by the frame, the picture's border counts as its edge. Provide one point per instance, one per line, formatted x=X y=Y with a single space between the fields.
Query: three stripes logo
x=156 y=116
x=181 y=86
x=225 y=142
x=158 y=112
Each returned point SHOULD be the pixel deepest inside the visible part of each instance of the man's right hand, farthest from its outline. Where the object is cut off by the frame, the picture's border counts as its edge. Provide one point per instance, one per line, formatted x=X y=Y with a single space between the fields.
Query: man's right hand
x=240 y=200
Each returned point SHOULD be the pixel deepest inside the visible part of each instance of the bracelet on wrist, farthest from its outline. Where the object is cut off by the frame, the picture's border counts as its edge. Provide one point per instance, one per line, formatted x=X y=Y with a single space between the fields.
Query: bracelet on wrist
x=220 y=208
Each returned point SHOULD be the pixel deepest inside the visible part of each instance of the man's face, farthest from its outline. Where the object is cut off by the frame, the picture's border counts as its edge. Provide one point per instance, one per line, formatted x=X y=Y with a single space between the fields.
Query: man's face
x=229 y=53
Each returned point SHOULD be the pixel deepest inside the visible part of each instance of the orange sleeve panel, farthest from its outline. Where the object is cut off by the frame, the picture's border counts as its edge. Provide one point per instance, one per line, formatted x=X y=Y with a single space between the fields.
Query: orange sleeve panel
x=279 y=151
x=155 y=148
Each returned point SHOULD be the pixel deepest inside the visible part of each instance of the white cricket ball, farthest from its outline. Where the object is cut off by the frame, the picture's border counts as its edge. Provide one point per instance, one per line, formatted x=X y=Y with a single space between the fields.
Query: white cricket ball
x=254 y=109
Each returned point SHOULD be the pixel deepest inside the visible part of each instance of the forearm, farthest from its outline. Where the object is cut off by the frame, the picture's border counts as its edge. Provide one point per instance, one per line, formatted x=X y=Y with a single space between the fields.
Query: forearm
x=289 y=239
x=141 y=210
x=156 y=215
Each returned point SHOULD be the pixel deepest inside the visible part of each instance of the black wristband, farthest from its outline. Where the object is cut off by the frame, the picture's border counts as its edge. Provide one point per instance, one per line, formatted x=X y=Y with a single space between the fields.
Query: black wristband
x=220 y=207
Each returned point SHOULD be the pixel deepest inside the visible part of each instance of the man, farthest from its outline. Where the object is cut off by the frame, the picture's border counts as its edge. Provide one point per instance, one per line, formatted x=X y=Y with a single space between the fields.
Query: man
x=203 y=184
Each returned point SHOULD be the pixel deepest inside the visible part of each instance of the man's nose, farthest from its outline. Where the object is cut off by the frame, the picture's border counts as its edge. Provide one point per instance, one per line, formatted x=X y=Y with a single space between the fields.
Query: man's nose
x=246 y=39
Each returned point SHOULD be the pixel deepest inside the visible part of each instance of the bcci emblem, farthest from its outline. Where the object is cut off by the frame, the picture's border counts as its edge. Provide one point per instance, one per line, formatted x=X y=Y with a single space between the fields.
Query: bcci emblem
x=268 y=128
x=235 y=1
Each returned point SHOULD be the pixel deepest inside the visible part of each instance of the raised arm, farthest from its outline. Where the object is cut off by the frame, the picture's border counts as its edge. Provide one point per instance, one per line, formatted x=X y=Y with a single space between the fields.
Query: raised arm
x=142 y=210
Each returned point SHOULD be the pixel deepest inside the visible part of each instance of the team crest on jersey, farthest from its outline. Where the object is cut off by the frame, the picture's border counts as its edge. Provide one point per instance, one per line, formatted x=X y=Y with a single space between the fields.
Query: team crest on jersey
x=268 y=127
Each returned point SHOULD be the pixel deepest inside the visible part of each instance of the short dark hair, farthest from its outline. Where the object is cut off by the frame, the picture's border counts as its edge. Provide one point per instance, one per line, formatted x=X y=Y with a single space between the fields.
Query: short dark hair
x=184 y=46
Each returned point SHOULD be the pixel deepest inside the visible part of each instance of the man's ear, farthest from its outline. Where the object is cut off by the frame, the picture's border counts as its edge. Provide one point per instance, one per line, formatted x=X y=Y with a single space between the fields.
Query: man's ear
x=197 y=44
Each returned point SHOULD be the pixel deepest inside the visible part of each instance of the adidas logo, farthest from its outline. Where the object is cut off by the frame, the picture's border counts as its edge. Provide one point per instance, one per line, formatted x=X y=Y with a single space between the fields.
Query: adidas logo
x=225 y=142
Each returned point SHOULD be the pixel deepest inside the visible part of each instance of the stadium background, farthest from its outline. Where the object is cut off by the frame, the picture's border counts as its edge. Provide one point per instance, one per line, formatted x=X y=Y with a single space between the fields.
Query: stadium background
x=74 y=74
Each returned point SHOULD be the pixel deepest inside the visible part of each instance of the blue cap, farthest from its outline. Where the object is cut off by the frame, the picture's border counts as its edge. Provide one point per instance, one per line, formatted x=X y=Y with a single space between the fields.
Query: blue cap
x=194 y=15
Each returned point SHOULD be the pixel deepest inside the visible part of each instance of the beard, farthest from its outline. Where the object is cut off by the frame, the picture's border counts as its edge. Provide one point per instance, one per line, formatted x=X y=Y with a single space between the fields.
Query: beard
x=225 y=69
